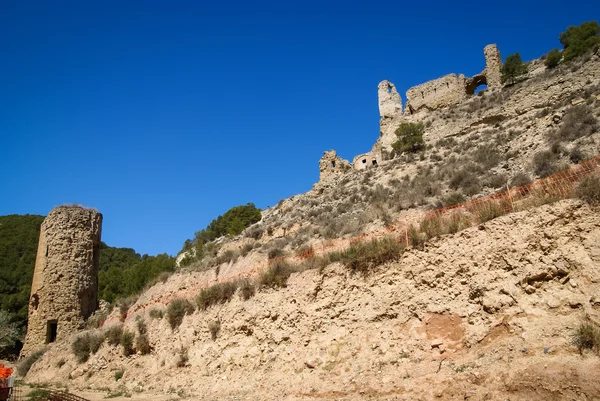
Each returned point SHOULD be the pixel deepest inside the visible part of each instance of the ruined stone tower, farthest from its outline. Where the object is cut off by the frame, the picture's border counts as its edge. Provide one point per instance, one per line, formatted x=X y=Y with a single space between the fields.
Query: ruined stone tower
x=390 y=103
x=493 y=66
x=64 y=291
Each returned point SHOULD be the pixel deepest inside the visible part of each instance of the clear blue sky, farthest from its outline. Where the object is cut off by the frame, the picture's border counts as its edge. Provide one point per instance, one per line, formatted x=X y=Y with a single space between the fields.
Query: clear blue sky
x=164 y=114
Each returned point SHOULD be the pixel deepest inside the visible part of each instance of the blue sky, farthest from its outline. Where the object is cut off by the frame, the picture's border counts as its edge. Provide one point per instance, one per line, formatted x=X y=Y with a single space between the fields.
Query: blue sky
x=164 y=114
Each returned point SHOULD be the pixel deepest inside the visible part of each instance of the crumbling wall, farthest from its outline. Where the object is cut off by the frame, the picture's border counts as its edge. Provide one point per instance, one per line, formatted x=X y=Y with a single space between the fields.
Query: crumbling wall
x=441 y=92
x=452 y=89
x=64 y=290
x=364 y=161
x=331 y=165
x=390 y=103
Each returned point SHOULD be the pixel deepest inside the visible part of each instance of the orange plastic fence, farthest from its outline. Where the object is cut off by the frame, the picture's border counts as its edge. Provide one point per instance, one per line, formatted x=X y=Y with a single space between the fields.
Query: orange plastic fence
x=560 y=184
x=5 y=372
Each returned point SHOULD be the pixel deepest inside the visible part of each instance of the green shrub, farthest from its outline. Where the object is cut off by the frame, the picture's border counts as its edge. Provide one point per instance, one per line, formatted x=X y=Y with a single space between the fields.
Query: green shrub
x=487 y=156
x=183 y=357
x=578 y=40
x=579 y=122
x=86 y=344
x=119 y=374
x=431 y=227
x=553 y=58
x=113 y=335
x=588 y=189
x=232 y=222
x=176 y=310
x=247 y=289
x=26 y=363
x=255 y=232
x=576 y=156
x=456 y=222
x=496 y=181
x=127 y=343
x=216 y=294
x=488 y=211
x=520 y=179
x=513 y=68
x=365 y=256
x=214 y=327
x=9 y=333
x=587 y=336
x=275 y=253
x=39 y=394
x=466 y=180
x=277 y=275
x=454 y=199
x=141 y=325
x=410 y=138
x=156 y=314
x=545 y=163
x=142 y=344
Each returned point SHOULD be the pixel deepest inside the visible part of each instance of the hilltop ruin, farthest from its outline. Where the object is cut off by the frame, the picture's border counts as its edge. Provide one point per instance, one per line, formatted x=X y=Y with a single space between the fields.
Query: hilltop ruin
x=449 y=90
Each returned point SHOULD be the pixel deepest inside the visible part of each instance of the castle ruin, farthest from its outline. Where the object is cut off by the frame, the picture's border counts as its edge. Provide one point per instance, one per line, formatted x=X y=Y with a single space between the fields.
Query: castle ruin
x=332 y=165
x=64 y=290
x=445 y=91
x=448 y=90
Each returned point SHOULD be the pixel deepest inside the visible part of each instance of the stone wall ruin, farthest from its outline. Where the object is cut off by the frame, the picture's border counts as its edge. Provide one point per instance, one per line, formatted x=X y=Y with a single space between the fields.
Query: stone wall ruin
x=390 y=103
x=331 y=165
x=64 y=290
x=441 y=92
x=364 y=161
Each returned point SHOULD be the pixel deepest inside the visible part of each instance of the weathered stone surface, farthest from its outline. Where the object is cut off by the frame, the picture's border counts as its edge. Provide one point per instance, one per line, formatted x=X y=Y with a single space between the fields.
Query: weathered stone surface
x=331 y=165
x=493 y=66
x=452 y=88
x=441 y=92
x=64 y=291
x=363 y=161
x=390 y=103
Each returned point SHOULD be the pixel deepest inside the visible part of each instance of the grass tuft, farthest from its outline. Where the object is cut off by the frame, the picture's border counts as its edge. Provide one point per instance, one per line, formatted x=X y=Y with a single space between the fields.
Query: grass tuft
x=587 y=336
x=363 y=257
x=177 y=310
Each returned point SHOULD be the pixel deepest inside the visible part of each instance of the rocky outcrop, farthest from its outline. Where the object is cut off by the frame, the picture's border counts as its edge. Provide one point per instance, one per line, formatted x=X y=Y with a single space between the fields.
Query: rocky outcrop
x=64 y=291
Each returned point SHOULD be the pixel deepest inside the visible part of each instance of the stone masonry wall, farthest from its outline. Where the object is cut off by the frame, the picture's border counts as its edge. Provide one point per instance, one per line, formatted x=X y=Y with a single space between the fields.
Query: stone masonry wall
x=64 y=291
x=453 y=89
x=493 y=66
x=441 y=92
x=364 y=161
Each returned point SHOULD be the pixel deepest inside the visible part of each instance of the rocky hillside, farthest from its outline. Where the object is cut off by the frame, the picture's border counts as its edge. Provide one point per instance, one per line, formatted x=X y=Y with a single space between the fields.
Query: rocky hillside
x=487 y=313
x=541 y=125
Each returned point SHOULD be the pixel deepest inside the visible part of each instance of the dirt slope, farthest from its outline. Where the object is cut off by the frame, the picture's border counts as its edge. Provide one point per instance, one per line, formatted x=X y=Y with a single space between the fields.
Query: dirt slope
x=487 y=313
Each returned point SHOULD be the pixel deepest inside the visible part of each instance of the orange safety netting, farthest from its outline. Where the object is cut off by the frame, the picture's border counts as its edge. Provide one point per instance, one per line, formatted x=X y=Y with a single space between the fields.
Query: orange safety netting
x=5 y=372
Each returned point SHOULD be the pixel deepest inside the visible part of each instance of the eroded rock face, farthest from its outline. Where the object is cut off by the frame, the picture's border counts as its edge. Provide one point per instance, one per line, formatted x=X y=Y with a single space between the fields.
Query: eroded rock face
x=451 y=321
x=64 y=291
